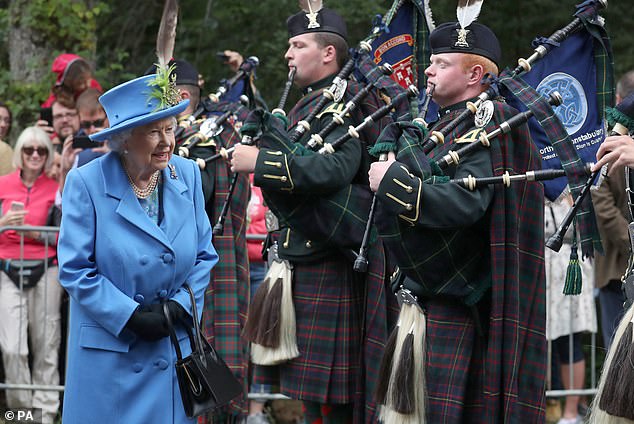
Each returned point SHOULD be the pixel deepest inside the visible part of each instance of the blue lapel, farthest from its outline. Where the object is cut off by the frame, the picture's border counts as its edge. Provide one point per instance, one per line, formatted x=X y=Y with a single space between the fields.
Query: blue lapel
x=175 y=200
x=116 y=185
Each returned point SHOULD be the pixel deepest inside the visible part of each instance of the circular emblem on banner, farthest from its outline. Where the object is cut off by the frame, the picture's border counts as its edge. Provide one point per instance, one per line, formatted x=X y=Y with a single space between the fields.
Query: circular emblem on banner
x=483 y=114
x=574 y=109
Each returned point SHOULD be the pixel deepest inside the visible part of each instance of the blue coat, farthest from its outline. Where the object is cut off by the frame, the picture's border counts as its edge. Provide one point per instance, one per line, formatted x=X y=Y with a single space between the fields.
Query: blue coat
x=113 y=258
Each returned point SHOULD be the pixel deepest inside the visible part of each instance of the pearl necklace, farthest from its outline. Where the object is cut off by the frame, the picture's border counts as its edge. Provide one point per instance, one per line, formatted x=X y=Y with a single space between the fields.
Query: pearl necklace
x=144 y=193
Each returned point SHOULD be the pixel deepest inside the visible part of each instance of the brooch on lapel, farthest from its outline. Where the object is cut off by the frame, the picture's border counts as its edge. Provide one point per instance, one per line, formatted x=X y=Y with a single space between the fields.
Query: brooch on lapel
x=172 y=172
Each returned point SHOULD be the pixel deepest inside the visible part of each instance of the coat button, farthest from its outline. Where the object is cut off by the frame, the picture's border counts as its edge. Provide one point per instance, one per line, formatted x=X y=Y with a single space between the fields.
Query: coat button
x=138 y=298
x=161 y=363
x=143 y=260
x=137 y=367
x=162 y=294
x=309 y=244
x=168 y=258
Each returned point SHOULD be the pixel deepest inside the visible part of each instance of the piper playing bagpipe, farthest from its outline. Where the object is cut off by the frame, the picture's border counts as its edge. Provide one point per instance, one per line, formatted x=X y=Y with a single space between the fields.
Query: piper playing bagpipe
x=469 y=344
x=316 y=199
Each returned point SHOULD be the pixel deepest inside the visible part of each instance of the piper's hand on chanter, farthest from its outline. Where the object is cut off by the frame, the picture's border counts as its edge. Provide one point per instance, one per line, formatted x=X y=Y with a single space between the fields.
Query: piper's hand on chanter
x=378 y=169
x=244 y=158
x=617 y=151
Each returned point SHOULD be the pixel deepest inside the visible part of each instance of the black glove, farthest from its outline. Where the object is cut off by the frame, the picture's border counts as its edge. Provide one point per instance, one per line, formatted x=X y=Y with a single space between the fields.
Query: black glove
x=177 y=312
x=148 y=324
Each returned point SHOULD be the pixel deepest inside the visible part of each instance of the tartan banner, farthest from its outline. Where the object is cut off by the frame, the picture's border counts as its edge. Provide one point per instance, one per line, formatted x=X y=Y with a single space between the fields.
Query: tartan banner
x=404 y=44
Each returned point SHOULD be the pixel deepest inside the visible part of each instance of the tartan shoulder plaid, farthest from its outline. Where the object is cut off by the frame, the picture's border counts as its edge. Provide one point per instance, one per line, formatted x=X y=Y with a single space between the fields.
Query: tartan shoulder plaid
x=570 y=161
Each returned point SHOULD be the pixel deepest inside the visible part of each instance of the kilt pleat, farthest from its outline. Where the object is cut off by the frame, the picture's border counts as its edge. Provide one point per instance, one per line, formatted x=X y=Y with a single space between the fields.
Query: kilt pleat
x=455 y=364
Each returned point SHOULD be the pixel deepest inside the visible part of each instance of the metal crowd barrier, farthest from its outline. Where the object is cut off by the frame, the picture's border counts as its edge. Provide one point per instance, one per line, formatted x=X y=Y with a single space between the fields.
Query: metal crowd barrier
x=590 y=390
x=47 y=230
x=590 y=387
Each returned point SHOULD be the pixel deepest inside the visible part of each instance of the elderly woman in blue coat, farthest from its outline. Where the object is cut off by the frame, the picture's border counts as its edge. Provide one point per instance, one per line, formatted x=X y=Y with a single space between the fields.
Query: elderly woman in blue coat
x=134 y=232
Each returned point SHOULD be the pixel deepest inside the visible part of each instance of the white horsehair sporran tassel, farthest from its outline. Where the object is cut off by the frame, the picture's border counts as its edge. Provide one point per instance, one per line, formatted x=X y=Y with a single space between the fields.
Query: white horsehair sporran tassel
x=404 y=399
x=271 y=325
x=614 y=402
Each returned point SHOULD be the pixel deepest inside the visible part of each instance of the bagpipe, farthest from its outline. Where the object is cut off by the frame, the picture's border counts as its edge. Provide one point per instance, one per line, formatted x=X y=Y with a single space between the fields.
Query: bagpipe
x=619 y=118
x=402 y=388
x=209 y=124
x=279 y=111
x=328 y=218
x=271 y=132
x=214 y=127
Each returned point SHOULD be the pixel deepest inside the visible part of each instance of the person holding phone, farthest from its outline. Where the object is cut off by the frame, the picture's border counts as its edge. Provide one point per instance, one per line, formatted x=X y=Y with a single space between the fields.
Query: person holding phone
x=27 y=197
x=80 y=149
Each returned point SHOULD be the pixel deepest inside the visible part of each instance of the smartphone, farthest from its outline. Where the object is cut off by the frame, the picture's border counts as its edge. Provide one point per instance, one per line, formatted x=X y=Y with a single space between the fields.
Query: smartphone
x=84 y=142
x=46 y=114
x=17 y=206
x=222 y=56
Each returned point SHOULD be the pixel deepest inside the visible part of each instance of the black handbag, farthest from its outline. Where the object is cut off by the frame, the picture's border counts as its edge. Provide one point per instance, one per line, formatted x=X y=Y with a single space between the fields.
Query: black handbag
x=204 y=380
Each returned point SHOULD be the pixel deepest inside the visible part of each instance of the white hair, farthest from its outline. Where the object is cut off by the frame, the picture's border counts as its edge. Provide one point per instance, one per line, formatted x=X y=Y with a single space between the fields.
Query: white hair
x=41 y=138
x=117 y=140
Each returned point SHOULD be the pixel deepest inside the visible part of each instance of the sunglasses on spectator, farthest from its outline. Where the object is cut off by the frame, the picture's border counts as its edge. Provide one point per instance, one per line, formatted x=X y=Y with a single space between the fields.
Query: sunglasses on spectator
x=97 y=123
x=42 y=151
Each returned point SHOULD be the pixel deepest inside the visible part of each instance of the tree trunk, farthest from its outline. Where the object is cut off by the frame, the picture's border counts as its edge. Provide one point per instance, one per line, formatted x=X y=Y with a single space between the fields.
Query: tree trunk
x=29 y=54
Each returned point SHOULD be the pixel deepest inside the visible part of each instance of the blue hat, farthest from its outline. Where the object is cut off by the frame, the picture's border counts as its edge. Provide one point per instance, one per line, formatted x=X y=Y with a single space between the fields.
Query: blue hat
x=132 y=104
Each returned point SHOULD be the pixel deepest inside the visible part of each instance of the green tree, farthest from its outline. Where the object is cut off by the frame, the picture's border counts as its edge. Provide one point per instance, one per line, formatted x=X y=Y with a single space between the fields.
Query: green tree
x=120 y=39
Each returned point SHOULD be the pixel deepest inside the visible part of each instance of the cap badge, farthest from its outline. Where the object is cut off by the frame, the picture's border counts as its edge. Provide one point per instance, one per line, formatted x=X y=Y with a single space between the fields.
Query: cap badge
x=462 y=38
x=312 y=20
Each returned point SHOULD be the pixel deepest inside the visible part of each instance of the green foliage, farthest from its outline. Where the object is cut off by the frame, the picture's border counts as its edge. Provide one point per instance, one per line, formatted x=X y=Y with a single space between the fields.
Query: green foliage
x=64 y=24
x=4 y=35
x=19 y=97
x=121 y=39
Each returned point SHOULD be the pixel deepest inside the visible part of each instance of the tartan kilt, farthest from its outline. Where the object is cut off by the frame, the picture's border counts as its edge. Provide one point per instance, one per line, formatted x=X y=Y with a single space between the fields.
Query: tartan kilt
x=455 y=364
x=328 y=304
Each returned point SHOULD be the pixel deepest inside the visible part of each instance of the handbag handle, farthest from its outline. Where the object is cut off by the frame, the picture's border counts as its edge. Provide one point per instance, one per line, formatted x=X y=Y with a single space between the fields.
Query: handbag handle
x=170 y=328
x=197 y=332
x=197 y=336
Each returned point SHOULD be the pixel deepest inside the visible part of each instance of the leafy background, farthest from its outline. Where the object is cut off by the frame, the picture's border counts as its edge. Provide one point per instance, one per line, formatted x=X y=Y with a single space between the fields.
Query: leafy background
x=118 y=37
